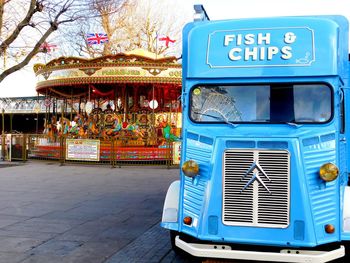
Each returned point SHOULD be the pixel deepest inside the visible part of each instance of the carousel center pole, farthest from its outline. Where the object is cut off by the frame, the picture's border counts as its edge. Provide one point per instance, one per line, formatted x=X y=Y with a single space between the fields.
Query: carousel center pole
x=11 y=115
x=125 y=94
x=3 y=121
x=62 y=117
x=37 y=116
x=3 y=136
x=71 y=105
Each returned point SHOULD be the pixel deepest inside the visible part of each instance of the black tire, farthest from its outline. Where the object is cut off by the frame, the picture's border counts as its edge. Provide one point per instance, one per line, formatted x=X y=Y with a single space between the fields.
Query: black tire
x=346 y=258
x=173 y=235
x=346 y=244
x=182 y=255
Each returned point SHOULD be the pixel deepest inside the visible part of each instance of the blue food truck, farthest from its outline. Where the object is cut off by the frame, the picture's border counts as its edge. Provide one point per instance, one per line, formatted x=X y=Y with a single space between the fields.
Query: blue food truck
x=265 y=141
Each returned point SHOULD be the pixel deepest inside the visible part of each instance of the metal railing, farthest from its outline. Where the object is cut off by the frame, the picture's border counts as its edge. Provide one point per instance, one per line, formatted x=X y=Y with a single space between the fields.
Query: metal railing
x=114 y=151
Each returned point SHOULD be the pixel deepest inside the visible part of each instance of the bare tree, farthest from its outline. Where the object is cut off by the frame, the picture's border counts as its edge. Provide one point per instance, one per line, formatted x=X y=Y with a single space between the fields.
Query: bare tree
x=2 y=8
x=129 y=24
x=42 y=18
x=100 y=17
x=145 y=21
x=108 y=10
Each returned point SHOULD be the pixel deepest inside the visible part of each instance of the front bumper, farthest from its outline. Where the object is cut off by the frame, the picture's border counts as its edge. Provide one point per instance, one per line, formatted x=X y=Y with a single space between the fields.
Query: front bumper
x=285 y=255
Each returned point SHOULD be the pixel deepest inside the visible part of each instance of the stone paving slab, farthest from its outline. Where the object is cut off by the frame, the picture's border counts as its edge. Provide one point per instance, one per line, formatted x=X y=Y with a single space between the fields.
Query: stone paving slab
x=18 y=244
x=52 y=213
x=12 y=257
x=152 y=247
x=85 y=214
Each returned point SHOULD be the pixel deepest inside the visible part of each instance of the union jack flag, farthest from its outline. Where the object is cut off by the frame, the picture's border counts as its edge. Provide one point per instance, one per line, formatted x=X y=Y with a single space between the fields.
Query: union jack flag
x=96 y=38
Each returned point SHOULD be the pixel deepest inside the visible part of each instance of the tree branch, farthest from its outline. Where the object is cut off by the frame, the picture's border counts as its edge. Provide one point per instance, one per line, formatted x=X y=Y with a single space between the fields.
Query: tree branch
x=53 y=26
x=33 y=8
x=30 y=55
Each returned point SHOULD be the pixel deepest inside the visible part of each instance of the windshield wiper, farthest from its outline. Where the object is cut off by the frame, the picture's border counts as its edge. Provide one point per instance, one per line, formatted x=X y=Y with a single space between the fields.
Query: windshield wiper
x=291 y=123
x=222 y=118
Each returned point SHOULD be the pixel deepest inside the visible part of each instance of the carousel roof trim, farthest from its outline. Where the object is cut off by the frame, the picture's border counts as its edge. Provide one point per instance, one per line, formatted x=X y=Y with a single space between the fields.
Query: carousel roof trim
x=75 y=75
x=117 y=80
x=137 y=56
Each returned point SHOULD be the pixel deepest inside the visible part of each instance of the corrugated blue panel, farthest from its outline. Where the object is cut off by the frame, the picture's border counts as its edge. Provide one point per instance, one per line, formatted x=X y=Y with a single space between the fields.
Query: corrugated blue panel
x=323 y=212
x=343 y=162
x=193 y=153
x=193 y=196
x=200 y=151
x=322 y=195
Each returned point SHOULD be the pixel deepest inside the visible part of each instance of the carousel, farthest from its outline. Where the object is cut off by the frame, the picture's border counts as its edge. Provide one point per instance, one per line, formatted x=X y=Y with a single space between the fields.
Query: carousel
x=124 y=107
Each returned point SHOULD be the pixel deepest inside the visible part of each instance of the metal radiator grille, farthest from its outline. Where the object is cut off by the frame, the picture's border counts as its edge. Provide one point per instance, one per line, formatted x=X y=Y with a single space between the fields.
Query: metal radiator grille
x=256 y=188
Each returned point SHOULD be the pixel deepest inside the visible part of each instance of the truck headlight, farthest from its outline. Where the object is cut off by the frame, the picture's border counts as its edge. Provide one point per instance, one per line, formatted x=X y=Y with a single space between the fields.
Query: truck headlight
x=190 y=168
x=329 y=172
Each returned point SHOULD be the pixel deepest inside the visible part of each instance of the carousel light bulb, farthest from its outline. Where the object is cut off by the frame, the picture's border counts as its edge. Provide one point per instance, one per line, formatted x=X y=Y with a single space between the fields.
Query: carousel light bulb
x=153 y=104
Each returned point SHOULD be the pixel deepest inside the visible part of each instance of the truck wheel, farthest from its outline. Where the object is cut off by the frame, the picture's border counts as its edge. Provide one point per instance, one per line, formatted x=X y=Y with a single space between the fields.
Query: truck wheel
x=173 y=234
x=347 y=251
x=182 y=255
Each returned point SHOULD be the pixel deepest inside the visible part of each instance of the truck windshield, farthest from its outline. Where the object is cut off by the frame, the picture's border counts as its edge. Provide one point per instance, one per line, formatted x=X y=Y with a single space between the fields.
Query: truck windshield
x=273 y=103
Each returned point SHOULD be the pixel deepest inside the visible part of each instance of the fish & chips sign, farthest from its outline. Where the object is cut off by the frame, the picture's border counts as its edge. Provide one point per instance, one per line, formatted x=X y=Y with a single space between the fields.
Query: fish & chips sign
x=261 y=47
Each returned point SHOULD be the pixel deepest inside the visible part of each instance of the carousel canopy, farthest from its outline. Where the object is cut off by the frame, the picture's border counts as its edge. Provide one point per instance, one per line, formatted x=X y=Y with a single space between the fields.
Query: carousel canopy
x=101 y=77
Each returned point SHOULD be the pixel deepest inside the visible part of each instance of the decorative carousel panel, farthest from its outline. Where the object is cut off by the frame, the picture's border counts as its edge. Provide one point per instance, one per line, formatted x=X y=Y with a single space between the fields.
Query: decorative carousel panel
x=120 y=68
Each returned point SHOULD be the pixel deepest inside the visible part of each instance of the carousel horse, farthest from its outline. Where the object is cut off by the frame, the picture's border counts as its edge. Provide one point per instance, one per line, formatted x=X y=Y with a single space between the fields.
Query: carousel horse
x=104 y=134
x=63 y=126
x=168 y=135
x=51 y=134
x=46 y=127
x=54 y=125
x=92 y=127
x=115 y=128
x=66 y=126
x=152 y=136
x=74 y=129
x=81 y=127
x=138 y=131
x=79 y=120
x=81 y=132
x=48 y=130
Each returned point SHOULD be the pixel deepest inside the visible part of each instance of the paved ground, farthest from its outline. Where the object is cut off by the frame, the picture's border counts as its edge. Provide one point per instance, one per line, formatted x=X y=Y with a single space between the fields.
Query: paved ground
x=92 y=214
x=52 y=213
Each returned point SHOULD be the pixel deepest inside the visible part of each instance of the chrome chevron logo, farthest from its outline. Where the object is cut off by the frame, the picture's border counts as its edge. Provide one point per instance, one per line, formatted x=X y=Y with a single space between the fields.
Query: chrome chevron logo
x=256 y=169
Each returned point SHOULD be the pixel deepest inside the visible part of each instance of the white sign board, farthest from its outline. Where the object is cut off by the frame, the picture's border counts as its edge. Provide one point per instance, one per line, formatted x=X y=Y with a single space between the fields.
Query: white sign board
x=82 y=150
x=176 y=152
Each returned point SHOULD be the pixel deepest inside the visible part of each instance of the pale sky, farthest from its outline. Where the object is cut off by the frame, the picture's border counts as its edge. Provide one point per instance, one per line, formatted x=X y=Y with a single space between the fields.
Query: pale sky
x=231 y=9
x=23 y=83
